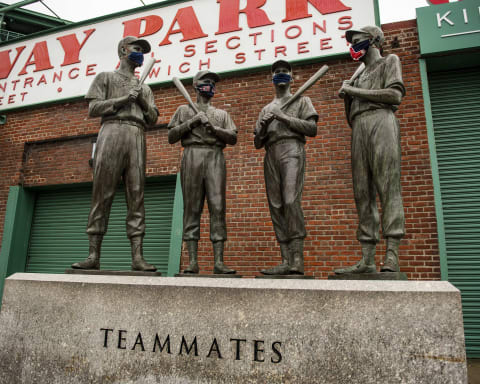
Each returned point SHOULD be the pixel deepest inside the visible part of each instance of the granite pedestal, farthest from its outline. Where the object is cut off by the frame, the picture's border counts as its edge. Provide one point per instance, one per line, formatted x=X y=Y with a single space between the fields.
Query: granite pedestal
x=143 y=330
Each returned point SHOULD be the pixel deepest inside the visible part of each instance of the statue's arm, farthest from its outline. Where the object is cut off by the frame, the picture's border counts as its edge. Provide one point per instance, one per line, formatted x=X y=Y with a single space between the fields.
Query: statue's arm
x=393 y=90
x=150 y=111
x=261 y=130
x=99 y=108
x=386 y=96
x=177 y=129
x=228 y=133
x=98 y=104
x=306 y=123
x=306 y=127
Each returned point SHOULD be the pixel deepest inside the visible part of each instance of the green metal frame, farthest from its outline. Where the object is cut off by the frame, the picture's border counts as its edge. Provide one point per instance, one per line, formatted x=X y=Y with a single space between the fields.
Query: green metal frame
x=435 y=173
x=18 y=222
x=16 y=233
x=177 y=230
x=376 y=7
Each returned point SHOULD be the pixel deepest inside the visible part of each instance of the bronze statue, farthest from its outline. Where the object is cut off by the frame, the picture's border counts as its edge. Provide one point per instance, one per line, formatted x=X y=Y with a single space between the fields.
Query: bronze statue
x=204 y=131
x=126 y=108
x=370 y=104
x=282 y=133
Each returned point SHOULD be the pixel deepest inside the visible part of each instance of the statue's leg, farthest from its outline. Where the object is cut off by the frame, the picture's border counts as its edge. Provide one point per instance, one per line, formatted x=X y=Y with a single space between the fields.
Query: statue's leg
x=365 y=197
x=292 y=170
x=215 y=189
x=365 y=265
x=274 y=197
x=93 y=259
x=134 y=179
x=296 y=252
x=220 y=267
x=138 y=262
x=192 y=249
x=390 y=263
x=107 y=169
x=193 y=190
x=386 y=174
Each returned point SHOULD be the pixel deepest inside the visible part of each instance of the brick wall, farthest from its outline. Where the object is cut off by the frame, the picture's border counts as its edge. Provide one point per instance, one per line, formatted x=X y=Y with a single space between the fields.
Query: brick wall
x=35 y=152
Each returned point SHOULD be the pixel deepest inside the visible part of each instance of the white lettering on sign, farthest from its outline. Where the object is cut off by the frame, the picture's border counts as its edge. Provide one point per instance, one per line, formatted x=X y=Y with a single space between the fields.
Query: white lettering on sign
x=444 y=18
x=187 y=36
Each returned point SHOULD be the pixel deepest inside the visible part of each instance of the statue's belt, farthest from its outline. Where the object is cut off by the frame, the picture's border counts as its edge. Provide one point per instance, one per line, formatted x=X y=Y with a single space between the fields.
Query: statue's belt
x=124 y=121
x=282 y=141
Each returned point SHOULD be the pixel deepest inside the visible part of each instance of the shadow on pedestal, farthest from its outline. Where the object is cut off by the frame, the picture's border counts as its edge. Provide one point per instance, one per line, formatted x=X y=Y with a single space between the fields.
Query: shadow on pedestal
x=370 y=276
x=110 y=273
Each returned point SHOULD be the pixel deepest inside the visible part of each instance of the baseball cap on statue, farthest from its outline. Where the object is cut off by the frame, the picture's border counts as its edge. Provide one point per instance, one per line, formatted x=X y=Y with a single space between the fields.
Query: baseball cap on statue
x=135 y=40
x=281 y=63
x=202 y=74
x=375 y=32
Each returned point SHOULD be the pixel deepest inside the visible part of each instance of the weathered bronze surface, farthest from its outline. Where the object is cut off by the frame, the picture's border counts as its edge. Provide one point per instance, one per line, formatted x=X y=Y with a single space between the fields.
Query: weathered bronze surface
x=370 y=104
x=126 y=108
x=282 y=133
x=204 y=131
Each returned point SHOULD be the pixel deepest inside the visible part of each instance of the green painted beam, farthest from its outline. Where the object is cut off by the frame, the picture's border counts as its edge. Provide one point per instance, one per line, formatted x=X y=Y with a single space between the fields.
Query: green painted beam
x=177 y=231
x=16 y=233
x=435 y=172
x=17 y=5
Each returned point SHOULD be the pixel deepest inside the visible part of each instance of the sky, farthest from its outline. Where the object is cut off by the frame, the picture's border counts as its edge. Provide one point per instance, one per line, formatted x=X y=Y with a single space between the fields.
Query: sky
x=78 y=10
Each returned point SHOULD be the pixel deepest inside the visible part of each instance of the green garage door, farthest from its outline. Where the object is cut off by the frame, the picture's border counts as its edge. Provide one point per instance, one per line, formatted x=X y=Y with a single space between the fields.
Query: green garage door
x=455 y=100
x=58 y=235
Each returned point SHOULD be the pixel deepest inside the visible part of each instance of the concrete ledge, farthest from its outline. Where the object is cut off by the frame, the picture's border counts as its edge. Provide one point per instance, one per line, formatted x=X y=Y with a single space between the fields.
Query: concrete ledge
x=109 y=329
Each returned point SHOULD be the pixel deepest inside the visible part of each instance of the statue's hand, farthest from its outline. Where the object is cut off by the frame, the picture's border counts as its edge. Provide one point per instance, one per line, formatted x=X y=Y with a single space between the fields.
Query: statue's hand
x=278 y=114
x=133 y=94
x=266 y=119
x=345 y=89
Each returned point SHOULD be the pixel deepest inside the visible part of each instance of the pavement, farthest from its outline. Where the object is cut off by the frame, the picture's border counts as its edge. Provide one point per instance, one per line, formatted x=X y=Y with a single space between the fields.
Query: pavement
x=473 y=366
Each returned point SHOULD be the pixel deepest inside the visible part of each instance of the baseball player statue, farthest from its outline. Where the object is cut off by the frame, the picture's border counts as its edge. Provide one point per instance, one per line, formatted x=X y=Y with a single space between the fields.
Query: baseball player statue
x=282 y=133
x=370 y=105
x=204 y=131
x=126 y=108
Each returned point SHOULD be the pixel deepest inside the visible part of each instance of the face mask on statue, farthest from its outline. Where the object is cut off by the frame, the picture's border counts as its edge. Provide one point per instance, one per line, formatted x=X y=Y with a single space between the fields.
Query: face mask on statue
x=357 y=51
x=206 y=89
x=282 y=78
x=136 y=57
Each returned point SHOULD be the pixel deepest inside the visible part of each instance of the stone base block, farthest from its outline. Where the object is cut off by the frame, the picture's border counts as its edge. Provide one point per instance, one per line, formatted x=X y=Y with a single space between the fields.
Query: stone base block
x=144 y=330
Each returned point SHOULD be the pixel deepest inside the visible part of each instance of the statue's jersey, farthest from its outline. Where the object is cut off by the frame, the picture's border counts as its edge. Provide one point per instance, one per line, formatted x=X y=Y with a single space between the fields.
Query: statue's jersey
x=108 y=86
x=277 y=130
x=200 y=135
x=385 y=73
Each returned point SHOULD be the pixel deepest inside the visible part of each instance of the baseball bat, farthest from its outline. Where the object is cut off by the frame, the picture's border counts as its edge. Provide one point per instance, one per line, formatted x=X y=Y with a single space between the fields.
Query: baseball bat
x=308 y=84
x=148 y=67
x=185 y=94
x=187 y=97
x=357 y=73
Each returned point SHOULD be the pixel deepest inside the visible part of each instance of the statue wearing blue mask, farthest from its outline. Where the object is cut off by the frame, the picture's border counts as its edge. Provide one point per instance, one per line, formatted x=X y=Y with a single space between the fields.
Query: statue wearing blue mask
x=283 y=136
x=126 y=110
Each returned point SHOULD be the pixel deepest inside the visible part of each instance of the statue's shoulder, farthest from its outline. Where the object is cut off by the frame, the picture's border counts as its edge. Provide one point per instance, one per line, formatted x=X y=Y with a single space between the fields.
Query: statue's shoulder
x=392 y=58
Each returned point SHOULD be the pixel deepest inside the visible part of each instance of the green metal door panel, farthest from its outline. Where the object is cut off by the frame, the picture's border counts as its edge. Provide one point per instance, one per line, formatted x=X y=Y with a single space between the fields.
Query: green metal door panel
x=455 y=100
x=58 y=235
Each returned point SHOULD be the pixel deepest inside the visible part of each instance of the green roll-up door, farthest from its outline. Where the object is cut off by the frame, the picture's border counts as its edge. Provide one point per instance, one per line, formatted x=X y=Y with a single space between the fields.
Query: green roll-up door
x=58 y=235
x=455 y=99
